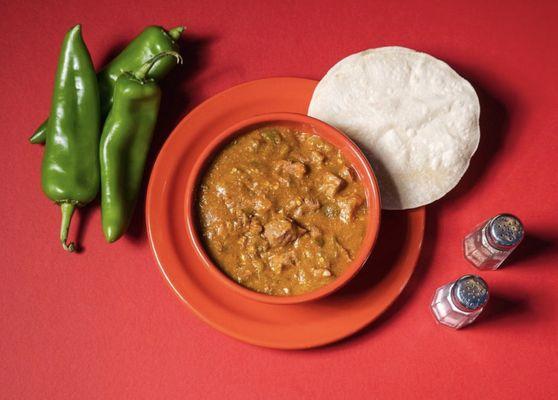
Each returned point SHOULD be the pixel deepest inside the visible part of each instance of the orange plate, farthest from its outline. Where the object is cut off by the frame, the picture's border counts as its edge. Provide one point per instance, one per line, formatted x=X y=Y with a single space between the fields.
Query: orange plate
x=294 y=326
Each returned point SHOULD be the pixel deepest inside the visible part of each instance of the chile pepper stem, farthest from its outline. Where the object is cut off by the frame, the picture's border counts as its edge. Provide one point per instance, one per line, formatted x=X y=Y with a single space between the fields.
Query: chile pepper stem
x=67 y=212
x=175 y=33
x=145 y=68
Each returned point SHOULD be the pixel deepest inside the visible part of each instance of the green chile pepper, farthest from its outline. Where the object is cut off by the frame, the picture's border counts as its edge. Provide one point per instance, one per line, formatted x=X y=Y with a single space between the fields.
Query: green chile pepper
x=70 y=169
x=152 y=41
x=125 y=143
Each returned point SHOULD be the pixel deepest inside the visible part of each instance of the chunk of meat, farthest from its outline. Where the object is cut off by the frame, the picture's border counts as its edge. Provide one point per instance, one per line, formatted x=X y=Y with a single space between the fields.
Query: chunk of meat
x=347 y=173
x=283 y=150
x=301 y=276
x=316 y=157
x=258 y=266
x=262 y=204
x=311 y=204
x=280 y=232
x=330 y=210
x=316 y=235
x=307 y=206
x=295 y=169
x=293 y=204
x=282 y=260
x=331 y=184
x=255 y=227
x=321 y=272
x=296 y=155
x=241 y=219
x=271 y=135
x=342 y=250
x=348 y=206
x=314 y=231
x=243 y=274
x=254 y=144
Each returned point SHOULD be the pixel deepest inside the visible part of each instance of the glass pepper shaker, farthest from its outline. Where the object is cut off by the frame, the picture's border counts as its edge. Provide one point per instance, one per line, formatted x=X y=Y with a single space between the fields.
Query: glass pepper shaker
x=459 y=303
x=492 y=242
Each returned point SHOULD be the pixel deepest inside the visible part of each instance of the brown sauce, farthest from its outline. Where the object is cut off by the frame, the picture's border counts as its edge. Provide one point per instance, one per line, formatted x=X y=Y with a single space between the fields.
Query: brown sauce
x=281 y=211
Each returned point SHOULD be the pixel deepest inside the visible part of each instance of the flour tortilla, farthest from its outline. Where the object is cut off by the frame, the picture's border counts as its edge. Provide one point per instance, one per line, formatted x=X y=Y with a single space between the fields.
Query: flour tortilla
x=414 y=117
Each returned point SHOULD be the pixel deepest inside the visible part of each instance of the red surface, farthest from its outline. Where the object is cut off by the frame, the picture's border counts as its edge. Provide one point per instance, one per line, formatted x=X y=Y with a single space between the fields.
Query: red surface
x=103 y=324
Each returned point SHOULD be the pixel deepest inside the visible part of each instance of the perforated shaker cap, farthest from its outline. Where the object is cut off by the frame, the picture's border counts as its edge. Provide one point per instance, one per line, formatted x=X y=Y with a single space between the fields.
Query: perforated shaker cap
x=505 y=231
x=470 y=292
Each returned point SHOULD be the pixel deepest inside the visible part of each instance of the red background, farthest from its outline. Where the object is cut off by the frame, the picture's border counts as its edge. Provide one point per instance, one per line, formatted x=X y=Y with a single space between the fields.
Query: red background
x=103 y=324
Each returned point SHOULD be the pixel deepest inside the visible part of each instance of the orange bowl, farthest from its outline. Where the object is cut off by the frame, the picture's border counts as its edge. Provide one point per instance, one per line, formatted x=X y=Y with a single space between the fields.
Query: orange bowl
x=309 y=125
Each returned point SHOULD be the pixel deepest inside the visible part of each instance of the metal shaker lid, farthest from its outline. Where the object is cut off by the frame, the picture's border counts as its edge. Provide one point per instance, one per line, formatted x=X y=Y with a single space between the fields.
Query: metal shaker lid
x=505 y=230
x=470 y=292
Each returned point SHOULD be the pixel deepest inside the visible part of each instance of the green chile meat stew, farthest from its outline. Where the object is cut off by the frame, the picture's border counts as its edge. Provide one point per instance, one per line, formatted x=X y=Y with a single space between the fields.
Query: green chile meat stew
x=281 y=211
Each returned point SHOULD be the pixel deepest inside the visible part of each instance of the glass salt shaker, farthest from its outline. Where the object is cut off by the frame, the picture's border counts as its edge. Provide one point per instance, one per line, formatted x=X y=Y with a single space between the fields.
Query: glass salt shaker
x=492 y=242
x=459 y=303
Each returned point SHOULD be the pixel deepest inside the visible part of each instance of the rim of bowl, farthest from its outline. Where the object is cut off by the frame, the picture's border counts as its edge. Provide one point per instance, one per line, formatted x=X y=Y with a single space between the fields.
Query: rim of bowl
x=326 y=132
